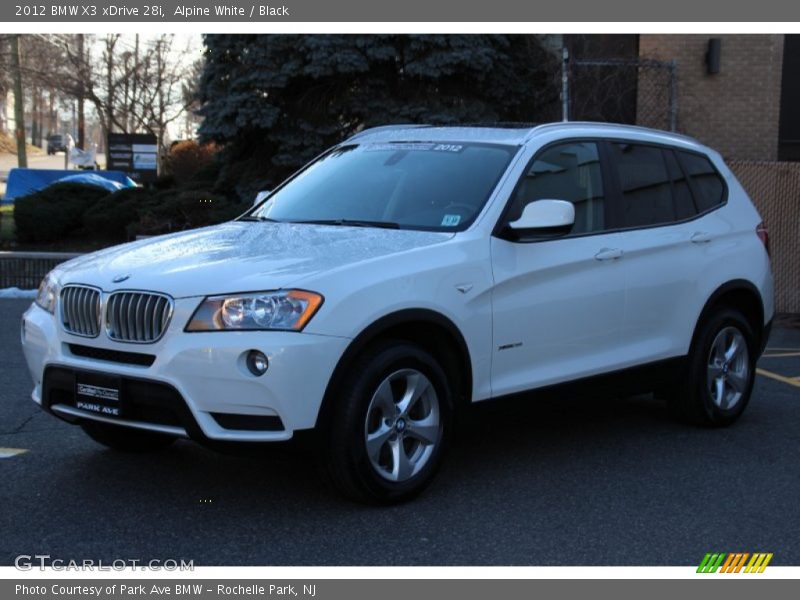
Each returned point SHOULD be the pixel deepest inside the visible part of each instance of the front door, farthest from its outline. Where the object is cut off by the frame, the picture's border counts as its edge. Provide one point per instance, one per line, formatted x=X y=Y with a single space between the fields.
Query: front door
x=558 y=302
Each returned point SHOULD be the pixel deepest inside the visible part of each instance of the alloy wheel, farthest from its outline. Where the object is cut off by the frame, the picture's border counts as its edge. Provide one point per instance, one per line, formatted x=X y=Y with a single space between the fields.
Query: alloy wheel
x=403 y=425
x=728 y=370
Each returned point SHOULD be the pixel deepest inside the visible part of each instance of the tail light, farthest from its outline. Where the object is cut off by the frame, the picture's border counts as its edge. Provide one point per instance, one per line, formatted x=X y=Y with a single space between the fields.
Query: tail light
x=763 y=235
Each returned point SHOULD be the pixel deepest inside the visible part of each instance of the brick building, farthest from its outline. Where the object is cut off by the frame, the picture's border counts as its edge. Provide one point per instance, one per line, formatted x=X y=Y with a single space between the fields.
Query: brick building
x=737 y=109
x=745 y=106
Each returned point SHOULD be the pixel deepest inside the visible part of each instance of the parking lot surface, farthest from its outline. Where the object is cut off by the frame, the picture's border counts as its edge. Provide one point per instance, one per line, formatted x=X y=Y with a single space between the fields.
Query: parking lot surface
x=558 y=482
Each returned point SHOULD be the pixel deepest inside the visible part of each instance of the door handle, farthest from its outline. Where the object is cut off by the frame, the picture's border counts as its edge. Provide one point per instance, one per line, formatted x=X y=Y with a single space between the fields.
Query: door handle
x=700 y=237
x=608 y=254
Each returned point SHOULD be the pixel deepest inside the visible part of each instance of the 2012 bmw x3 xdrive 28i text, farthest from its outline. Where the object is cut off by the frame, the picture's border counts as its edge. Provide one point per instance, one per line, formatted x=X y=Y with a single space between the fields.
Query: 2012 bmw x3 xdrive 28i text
x=407 y=272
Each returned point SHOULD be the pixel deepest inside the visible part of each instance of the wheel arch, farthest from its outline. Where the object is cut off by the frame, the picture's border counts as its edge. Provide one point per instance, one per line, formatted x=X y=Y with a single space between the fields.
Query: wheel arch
x=430 y=329
x=741 y=295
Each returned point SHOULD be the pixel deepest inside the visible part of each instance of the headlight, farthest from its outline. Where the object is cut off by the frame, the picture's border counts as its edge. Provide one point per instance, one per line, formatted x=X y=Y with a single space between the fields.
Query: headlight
x=288 y=310
x=47 y=294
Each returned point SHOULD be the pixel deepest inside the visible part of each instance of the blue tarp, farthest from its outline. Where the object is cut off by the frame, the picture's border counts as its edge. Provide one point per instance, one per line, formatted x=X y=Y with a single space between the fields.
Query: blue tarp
x=96 y=180
x=22 y=182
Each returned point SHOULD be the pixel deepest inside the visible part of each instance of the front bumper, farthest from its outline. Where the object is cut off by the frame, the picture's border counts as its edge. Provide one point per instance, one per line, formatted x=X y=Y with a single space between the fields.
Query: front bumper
x=191 y=384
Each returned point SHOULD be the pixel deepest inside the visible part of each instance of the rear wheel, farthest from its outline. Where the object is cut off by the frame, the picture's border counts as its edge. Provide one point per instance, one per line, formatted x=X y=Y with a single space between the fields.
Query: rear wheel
x=126 y=439
x=391 y=425
x=720 y=371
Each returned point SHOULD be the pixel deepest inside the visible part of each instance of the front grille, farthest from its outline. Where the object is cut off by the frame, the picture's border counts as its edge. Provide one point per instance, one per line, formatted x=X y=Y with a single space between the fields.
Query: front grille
x=80 y=310
x=140 y=317
x=116 y=356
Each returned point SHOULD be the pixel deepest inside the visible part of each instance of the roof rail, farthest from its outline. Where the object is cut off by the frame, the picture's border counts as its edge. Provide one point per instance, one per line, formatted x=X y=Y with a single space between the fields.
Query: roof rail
x=558 y=124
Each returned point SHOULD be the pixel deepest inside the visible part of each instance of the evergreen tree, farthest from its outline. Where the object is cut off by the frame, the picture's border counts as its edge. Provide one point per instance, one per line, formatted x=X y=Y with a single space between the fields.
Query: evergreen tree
x=275 y=101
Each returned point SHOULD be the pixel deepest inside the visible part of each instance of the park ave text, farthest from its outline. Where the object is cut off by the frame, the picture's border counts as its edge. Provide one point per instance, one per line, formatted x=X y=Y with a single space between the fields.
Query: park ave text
x=176 y=589
x=151 y=11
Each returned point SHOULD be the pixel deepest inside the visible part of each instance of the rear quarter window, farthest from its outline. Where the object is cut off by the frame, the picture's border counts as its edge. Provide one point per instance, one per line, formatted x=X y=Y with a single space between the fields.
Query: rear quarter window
x=707 y=185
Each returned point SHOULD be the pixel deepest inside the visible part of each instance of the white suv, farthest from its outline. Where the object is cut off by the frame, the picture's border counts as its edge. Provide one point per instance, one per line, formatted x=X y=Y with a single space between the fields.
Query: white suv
x=405 y=273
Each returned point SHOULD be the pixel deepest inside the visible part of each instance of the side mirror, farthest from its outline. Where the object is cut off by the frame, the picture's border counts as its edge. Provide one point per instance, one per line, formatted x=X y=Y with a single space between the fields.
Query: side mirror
x=545 y=217
x=260 y=196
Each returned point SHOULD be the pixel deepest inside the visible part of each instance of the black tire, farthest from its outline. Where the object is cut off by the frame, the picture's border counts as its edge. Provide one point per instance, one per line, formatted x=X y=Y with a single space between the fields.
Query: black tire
x=691 y=398
x=126 y=439
x=344 y=449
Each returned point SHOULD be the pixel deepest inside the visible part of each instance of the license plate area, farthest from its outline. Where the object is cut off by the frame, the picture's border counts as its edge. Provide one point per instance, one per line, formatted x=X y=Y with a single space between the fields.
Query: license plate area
x=99 y=393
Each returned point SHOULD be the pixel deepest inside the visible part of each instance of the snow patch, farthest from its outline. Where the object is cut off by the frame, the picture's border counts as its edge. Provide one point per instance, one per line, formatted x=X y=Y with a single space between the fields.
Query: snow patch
x=14 y=292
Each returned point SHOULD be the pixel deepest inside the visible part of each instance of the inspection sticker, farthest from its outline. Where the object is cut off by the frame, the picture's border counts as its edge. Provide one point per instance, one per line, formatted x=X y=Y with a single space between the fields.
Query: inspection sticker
x=451 y=220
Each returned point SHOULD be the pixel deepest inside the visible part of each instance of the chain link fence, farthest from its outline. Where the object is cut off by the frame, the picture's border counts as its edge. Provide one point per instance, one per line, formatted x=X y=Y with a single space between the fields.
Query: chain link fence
x=631 y=91
x=774 y=188
x=25 y=270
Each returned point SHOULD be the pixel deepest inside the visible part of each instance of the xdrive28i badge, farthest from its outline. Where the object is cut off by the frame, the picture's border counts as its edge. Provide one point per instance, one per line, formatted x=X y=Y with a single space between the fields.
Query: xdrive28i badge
x=120 y=278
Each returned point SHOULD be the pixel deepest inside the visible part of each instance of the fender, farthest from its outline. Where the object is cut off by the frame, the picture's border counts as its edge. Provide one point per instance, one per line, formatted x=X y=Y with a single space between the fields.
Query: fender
x=390 y=321
x=737 y=285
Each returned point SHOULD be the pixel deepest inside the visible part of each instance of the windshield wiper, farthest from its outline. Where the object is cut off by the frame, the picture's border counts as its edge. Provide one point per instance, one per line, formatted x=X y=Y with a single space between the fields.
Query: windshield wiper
x=260 y=219
x=350 y=223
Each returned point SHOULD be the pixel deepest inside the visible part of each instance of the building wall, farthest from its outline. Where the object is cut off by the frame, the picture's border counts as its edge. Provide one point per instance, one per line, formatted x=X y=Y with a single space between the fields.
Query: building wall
x=737 y=110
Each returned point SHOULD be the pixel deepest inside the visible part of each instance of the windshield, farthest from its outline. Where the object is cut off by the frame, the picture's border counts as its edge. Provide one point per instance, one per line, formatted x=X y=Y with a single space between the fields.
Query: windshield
x=432 y=186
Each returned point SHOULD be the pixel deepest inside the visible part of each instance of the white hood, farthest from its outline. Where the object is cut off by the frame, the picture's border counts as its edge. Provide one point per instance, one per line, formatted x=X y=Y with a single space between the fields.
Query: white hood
x=238 y=257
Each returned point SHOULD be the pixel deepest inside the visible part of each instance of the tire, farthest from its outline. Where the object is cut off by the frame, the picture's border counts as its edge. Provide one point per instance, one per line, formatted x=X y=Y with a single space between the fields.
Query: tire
x=397 y=464
x=720 y=372
x=126 y=439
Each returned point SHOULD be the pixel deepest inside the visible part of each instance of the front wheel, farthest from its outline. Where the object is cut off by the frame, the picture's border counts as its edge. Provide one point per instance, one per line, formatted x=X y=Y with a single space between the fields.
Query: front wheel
x=720 y=371
x=391 y=424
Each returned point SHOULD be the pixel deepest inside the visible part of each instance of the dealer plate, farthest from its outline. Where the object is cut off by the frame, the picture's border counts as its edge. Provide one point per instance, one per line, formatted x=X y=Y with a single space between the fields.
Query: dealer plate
x=99 y=394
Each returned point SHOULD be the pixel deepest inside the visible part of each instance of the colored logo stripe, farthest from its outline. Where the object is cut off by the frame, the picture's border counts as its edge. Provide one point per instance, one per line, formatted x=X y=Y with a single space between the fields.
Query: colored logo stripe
x=734 y=562
x=711 y=563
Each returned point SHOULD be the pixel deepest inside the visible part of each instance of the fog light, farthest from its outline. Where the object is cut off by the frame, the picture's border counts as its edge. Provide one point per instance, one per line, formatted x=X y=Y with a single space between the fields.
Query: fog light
x=257 y=362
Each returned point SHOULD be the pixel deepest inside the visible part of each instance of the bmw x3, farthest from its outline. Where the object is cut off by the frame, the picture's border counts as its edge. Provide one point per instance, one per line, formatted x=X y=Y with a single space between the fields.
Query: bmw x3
x=408 y=272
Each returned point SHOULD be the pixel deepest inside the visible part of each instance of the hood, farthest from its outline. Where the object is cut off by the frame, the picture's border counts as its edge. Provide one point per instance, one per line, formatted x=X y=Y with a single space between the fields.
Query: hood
x=238 y=256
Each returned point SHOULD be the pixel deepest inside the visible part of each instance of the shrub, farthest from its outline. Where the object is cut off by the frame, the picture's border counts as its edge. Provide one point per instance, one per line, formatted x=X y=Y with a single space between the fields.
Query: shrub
x=114 y=216
x=54 y=212
x=70 y=210
x=175 y=210
x=189 y=160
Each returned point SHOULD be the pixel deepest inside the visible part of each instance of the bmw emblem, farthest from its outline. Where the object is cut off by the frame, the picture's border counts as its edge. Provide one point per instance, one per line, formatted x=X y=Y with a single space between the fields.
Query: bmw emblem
x=120 y=278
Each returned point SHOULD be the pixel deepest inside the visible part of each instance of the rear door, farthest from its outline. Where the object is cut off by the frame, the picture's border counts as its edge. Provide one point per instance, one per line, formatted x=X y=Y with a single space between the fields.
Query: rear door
x=665 y=238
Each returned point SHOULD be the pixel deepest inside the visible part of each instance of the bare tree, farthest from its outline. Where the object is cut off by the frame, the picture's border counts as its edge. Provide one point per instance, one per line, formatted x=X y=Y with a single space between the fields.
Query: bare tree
x=19 y=111
x=133 y=84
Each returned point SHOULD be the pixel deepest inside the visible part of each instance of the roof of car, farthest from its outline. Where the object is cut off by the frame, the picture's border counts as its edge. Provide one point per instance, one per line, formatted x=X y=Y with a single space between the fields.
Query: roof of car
x=509 y=133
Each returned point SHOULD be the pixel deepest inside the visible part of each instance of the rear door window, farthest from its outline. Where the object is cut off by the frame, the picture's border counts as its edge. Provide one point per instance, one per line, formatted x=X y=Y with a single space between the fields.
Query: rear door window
x=645 y=185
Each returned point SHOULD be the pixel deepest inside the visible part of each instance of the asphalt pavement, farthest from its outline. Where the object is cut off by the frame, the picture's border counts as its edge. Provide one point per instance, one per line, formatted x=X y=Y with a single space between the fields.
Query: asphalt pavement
x=561 y=482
